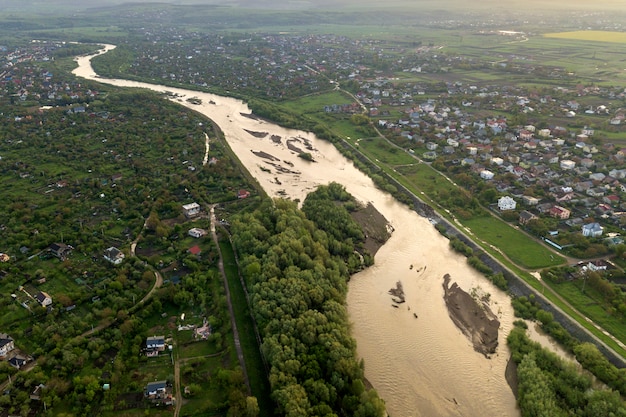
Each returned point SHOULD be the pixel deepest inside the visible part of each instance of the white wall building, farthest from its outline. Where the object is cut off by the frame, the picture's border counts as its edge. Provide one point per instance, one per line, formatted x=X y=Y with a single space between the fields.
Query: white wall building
x=506 y=203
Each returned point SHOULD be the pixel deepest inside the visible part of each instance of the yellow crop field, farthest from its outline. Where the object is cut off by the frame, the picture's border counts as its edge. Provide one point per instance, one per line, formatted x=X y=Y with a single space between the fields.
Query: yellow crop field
x=590 y=35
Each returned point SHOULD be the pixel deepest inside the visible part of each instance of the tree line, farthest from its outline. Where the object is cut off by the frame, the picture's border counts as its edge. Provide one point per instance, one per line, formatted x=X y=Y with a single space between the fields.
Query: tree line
x=296 y=274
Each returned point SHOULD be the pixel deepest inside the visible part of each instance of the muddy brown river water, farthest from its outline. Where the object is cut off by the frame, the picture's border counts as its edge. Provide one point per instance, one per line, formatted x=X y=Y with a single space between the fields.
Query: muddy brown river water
x=416 y=358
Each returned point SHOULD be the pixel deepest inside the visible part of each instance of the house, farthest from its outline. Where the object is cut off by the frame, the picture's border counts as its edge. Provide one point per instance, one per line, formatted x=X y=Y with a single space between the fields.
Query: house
x=592 y=230
x=567 y=164
x=559 y=212
x=196 y=232
x=597 y=265
x=526 y=216
x=18 y=361
x=154 y=345
x=6 y=345
x=191 y=210
x=114 y=255
x=506 y=203
x=60 y=250
x=155 y=390
x=194 y=250
x=486 y=174
x=43 y=298
x=530 y=200
x=243 y=194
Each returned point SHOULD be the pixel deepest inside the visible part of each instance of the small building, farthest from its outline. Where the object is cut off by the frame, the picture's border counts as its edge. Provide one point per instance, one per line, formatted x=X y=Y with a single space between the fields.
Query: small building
x=196 y=232
x=486 y=174
x=60 y=250
x=154 y=345
x=243 y=194
x=526 y=216
x=155 y=342
x=18 y=361
x=6 y=345
x=155 y=390
x=194 y=250
x=597 y=265
x=191 y=209
x=114 y=255
x=530 y=200
x=559 y=212
x=506 y=203
x=43 y=299
x=592 y=230
x=567 y=164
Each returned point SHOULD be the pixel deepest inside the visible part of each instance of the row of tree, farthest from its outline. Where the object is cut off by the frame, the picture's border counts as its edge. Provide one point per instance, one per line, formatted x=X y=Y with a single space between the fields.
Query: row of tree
x=553 y=387
x=297 y=278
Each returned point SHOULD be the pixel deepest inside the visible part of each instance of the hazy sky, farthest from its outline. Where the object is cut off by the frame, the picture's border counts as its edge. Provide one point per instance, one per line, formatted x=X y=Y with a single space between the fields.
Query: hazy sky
x=303 y=4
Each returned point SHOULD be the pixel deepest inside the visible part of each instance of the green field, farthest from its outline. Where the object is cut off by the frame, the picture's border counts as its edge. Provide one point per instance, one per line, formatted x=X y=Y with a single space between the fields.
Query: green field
x=519 y=247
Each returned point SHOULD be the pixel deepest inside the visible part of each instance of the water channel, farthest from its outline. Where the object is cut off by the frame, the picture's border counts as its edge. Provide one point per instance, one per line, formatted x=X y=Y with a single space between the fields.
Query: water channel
x=416 y=358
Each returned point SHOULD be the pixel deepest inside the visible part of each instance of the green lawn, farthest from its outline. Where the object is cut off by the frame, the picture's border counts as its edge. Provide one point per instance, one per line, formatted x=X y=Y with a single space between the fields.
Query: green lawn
x=591 y=305
x=519 y=247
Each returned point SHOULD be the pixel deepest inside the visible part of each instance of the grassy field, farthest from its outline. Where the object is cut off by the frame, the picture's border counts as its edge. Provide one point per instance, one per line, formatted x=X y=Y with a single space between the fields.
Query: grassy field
x=590 y=304
x=520 y=248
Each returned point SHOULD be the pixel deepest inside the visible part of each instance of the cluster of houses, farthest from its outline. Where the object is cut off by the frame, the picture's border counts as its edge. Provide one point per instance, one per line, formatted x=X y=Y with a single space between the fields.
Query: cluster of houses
x=12 y=355
x=40 y=86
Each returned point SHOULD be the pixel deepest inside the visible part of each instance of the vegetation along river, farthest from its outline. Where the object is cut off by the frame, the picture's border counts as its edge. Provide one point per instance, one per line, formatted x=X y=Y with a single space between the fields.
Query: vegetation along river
x=415 y=356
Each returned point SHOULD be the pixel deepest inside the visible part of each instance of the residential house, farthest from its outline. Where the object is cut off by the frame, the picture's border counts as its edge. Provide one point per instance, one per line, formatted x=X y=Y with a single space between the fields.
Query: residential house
x=60 y=250
x=241 y=194
x=506 y=203
x=196 y=232
x=530 y=200
x=567 y=164
x=595 y=192
x=526 y=216
x=559 y=212
x=154 y=345
x=592 y=230
x=191 y=209
x=43 y=298
x=18 y=361
x=597 y=265
x=155 y=390
x=6 y=345
x=611 y=199
x=486 y=174
x=114 y=255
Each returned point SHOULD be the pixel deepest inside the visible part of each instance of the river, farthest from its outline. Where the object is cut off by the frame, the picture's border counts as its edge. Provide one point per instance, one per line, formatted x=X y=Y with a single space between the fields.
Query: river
x=420 y=366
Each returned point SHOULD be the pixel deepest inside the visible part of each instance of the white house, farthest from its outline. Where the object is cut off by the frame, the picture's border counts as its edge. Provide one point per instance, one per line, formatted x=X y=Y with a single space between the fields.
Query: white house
x=567 y=164
x=486 y=174
x=43 y=298
x=197 y=232
x=114 y=255
x=191 y=209
x=506 y=203
x=6 y=345
x=592 y=230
